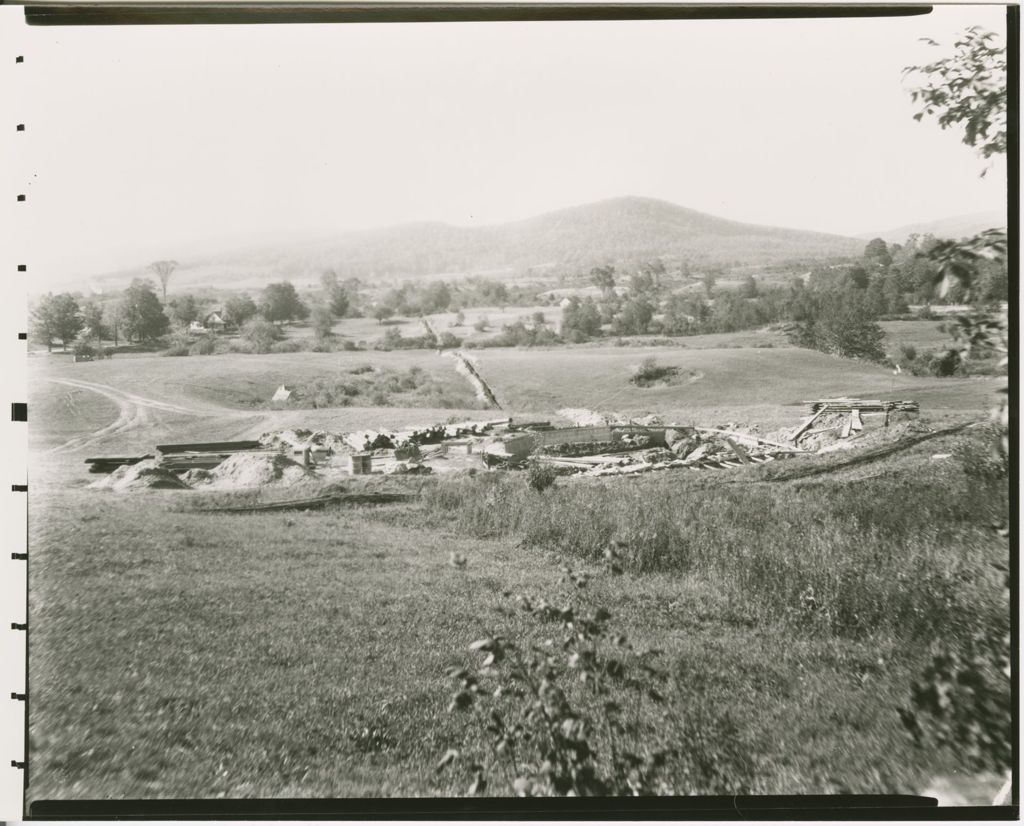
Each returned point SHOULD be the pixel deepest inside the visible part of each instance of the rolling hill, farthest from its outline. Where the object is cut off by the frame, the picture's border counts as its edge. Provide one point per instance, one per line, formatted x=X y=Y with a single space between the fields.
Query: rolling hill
x=957 y=226
x=615 y=230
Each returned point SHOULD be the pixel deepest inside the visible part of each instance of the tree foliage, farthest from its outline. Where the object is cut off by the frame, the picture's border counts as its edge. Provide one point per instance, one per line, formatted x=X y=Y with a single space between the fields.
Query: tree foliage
x=968 y=89
x=260 y=334
x=142 y=316
x=239 y=309
x=280 y=302
x=184 y=309
x=56 y=317
x=163 y=270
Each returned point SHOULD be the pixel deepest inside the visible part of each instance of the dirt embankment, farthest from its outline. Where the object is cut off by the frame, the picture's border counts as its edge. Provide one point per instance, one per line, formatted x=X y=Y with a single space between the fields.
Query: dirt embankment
x=466 y=368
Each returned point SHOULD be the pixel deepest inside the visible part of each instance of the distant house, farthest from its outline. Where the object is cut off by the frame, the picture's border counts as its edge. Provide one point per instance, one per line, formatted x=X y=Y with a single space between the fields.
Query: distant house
x=214 y=321
x=197 y=327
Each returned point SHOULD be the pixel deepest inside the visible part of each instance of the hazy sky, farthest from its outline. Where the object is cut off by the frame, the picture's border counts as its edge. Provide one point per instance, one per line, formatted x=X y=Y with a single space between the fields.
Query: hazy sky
x=152 y=142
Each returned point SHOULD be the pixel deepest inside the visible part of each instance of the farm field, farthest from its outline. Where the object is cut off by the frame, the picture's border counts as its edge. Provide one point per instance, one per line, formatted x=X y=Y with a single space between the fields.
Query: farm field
x=304 y=654
x=924 y=335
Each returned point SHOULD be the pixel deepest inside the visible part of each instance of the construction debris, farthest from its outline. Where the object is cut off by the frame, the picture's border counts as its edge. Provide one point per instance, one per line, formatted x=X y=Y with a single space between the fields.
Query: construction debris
x=598 y=445
x=108 y=464
x=847 y=405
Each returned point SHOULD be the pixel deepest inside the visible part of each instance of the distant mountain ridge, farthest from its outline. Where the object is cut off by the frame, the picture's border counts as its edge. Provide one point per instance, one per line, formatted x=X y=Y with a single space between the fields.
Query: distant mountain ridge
x=956 y=227
x=614 y=230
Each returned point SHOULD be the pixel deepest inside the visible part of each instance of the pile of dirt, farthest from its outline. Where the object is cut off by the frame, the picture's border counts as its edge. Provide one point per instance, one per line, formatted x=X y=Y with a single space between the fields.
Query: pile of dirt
x=146 y=475
x=196 y=476
x=252 y=470
x=582 y=417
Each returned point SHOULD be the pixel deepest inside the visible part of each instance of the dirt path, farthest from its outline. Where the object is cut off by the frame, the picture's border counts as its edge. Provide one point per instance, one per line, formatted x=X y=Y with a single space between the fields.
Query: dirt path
x=133 y=412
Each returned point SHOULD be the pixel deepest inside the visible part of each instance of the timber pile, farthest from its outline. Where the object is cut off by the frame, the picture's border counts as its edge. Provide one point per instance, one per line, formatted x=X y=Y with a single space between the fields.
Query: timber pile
x=848 y=405
x=705 y=448
x=108 y=464
x=846 y=416
x=181 y=458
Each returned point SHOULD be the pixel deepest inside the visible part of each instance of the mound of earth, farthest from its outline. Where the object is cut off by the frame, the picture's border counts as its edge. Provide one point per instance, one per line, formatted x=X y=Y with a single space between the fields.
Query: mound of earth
x=147 y=475
x=253 y=470
x=196 y=476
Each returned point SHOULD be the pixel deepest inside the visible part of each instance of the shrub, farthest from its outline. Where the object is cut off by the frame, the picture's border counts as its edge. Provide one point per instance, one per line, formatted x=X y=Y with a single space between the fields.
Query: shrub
x=908 y=352
x=205 y=346
x=540 y=476
x=290 y=345
x=448 y=341
x=177 y=350
x=83 y=347
x=545 y=715
x=650 y=372
x=260 y=334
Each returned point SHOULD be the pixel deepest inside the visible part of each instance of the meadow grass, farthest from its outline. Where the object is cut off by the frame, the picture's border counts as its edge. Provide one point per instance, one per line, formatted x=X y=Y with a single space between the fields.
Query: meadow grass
x=909 y=552
x=304 y=654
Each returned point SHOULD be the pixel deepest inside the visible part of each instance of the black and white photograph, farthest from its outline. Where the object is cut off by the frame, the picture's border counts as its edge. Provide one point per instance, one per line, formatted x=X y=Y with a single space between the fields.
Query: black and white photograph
x=506 y=408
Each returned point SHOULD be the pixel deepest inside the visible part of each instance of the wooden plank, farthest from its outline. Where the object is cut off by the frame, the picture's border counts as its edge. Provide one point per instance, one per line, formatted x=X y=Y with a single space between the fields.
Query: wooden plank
x=739 y=451
x=211 y=447
x=856 y=425
x=807 y=424
x=845 y=432
x=747 y=437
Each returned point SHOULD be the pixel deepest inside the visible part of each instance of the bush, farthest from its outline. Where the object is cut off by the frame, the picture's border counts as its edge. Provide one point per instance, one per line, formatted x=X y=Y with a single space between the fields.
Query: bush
x=206 y=346
x=908 y=352
x=83 y=347
x=260 y=334
x=650 y=372
x=449 y=341
x=291 y=345
x=540 y=476
x=177 y=350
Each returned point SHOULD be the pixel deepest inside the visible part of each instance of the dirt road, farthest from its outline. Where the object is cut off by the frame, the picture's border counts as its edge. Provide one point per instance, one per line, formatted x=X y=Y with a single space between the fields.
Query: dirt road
x=134 y=412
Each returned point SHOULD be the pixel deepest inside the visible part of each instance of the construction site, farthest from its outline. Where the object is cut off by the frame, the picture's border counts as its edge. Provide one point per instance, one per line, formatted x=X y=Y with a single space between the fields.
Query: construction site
x=593 y=444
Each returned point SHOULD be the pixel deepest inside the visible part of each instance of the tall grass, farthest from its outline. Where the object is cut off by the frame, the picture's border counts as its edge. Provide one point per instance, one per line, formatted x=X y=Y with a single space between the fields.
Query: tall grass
x=909 y=555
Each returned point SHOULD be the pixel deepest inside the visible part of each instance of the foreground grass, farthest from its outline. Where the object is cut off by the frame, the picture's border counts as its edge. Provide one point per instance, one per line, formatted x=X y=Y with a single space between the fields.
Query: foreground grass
x=909 y=551
x=304 y=654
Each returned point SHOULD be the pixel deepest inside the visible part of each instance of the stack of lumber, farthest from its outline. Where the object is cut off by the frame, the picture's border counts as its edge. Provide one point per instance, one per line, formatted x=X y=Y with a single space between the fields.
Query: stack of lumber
x=205 y=455
x=108 y=464
x=847 y=405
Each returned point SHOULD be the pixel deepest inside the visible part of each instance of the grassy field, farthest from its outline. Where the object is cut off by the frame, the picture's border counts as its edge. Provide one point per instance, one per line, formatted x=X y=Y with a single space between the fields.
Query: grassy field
x=304 y=654
x=923 y=335
x=757 y=386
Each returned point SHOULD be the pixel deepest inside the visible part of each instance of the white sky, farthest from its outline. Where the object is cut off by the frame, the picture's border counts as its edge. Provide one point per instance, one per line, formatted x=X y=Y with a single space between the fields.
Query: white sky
x=153 y=142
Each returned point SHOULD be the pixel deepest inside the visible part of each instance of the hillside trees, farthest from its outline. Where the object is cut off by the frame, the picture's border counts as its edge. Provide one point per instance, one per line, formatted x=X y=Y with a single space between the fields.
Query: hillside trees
x=239 y=309
x=93 y=325
x=56 y=317
x=280 y=303
x=142 y=316
x=163 y=270
x=260 y=334
x=603 y=277
x=323 y=321
x=336 y=296
x=581 y=320
x=184 y=309
x=840 y=323
x=877 y=253
x=634 y=317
